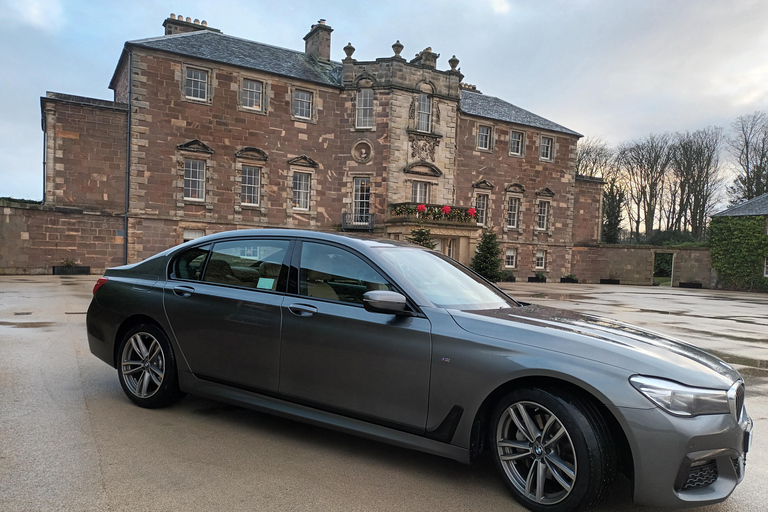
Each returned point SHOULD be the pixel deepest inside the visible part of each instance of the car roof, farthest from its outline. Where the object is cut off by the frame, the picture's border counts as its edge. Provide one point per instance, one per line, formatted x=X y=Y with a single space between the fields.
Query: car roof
x=352 y=240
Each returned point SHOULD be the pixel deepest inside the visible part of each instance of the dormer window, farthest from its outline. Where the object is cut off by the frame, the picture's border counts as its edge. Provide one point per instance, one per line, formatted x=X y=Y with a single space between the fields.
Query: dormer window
x=424 y=120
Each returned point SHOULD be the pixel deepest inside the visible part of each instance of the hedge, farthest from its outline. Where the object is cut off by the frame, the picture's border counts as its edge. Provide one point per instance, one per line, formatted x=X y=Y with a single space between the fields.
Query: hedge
x=739 y=248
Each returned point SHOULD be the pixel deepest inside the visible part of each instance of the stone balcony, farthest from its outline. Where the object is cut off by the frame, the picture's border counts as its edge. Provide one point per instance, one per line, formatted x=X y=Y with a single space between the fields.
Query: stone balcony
x=432 y=214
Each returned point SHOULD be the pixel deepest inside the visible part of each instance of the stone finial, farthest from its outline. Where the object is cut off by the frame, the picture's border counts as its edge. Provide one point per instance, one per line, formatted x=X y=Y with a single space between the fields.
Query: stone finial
x=453 y=62
x=397 y=47
x=349 y=50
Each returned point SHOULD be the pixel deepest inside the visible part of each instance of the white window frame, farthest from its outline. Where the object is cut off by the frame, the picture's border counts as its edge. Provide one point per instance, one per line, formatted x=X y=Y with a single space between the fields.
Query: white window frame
x=250 y=186
x=420 y=192
x=765 y=267
x=252 y=99
x=520 y=143
x=300 y=106
x=424 y=113
x=486 y=198
x=302 y=188
x=510 y=253
x=194 y=179
x=190 y=82
x=547 y=148
x=364 y=117
x=361 y=200
x=540 y=262
x=518 y=201
x=484 y=139
x=547 y=206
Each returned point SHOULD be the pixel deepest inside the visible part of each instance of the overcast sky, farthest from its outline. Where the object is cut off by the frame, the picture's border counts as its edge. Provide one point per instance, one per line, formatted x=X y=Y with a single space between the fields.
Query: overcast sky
x=620 y=69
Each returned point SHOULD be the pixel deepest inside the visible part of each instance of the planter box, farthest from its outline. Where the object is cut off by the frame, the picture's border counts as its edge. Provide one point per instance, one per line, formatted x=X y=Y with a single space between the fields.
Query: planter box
x=568 y=280
x=691 y=284
x=537 y=280
x=609 y=281
x=77 y=270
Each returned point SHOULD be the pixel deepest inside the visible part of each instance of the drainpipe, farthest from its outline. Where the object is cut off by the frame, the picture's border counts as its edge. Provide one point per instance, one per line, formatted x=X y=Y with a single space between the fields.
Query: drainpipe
x=128 y=162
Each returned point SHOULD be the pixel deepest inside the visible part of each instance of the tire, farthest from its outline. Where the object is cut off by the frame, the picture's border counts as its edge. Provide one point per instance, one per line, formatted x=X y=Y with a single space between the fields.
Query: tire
x=553 y=450
x=147 y=367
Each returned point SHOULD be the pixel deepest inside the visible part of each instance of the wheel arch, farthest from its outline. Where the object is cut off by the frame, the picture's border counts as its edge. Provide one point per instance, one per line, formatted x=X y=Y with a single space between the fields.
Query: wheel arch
x=127 y=325
x=479 y=441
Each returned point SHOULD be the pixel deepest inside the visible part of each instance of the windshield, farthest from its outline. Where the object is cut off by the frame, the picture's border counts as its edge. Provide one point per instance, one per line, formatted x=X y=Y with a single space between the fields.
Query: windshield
x=445 y=283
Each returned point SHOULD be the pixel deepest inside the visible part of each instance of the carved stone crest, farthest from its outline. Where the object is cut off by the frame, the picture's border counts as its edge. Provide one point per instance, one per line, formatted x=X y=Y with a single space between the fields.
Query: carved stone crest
x=423 y=146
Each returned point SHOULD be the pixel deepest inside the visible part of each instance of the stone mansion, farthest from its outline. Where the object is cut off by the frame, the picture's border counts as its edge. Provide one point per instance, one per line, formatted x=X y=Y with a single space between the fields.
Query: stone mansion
x=209 y=132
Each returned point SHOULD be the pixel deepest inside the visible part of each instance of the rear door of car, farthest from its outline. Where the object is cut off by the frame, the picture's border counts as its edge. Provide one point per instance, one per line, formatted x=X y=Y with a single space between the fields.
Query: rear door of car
x=338 y=356
x=223 y=301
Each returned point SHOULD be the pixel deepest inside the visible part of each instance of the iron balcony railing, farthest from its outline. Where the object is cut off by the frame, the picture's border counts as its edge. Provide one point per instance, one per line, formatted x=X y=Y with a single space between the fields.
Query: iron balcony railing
x=357 y=222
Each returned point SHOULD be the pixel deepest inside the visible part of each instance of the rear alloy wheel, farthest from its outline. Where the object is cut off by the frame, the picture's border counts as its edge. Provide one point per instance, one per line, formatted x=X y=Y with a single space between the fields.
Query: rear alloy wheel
x=553 y=450
x=147 y=368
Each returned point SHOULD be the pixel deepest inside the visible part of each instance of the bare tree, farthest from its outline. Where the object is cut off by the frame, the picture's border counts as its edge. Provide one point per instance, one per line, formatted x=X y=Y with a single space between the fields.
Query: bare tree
x=645 y=164
x=594 y=156
x=749 y=146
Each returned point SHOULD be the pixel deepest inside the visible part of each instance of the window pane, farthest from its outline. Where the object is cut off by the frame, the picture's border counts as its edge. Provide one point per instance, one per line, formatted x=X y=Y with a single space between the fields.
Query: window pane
x=332 y=273
x=481 y=208
x=189 y=264
x=541 y=259
x=420 y=192
x=542 y=214
x=546 y=148
x=194 y=179
x=301 y=183
x=424 y=113
x=361 y=201
x=513 y=205
x=251 y=96
x=510 y=258
x=250 y=263
x=484 y=137
x=516 y=143
x=250 y=185
x=196 y=85
x=365 y=108
x=302 y=104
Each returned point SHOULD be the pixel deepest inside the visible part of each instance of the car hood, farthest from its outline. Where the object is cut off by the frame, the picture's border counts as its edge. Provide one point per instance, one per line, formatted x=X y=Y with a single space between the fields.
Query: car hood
x=600 y=339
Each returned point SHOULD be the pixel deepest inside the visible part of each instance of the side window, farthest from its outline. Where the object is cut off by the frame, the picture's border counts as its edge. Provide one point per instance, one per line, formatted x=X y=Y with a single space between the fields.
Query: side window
x=248 y=263
x=189 y=264
x=328 y=272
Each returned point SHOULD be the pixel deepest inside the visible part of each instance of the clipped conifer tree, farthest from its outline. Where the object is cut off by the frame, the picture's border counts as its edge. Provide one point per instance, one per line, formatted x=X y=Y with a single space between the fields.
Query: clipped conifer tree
x=422 y=237
x=487 y=261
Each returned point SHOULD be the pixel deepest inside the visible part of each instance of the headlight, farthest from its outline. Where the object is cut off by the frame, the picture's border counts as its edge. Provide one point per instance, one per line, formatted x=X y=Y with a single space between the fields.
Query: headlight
x=679 y=399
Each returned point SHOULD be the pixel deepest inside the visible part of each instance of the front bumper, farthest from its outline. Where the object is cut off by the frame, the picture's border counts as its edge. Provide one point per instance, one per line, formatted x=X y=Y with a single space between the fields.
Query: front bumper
x=685 y=462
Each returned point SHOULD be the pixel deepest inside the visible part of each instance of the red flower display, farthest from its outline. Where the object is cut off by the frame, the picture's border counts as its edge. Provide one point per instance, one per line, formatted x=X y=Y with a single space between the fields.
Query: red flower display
x=471 y=212
x=421 y=208
x=446 y=210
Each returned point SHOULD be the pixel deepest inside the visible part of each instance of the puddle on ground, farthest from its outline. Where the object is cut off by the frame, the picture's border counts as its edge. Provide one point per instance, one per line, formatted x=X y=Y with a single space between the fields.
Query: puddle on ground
x=27 y=325
x=74 y=312
x=551 y=296
x=22 y=313
x=726 y=336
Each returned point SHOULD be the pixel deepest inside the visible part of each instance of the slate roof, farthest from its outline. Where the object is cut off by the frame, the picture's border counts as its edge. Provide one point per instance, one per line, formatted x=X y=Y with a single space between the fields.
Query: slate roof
x=491 y=107
x=218 y=47
x=756 y=206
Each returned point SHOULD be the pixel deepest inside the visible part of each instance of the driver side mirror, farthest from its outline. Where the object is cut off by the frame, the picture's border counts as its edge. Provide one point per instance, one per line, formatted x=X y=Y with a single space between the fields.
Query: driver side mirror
x=384 y=301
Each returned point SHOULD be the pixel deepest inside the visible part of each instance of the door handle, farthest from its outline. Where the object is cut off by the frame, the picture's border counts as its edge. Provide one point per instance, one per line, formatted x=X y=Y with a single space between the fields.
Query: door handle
x=183 y=291
x=302 y=309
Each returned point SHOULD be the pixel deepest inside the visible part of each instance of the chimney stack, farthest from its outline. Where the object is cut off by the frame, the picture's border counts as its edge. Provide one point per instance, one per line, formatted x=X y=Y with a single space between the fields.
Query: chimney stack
x=179 y=25
x=318 y=41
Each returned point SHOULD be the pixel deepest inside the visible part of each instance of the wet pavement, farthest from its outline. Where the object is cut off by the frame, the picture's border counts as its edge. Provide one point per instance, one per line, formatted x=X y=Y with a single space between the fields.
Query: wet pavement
x=71 y=441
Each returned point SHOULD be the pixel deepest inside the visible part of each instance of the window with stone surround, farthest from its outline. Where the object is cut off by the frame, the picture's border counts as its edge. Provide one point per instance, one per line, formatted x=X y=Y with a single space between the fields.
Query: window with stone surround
x=302 y=104
x=513 y=211
x=765 y=268
x=194 y=179
x=251 y=94
x=424 y=113
x=510 y=258
x=547 y=148
x=361 y=201
x=302 y=181
x=542 y=215
x=484 y=137
x=420 y=192
x=196 y=84
x=364 y=108
x=250 y=185
x=516 y=145
x=481 y=209
x=541 y=259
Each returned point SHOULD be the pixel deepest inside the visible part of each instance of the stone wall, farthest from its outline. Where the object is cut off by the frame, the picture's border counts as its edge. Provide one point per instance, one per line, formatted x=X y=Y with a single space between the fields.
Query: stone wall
x=587 y=210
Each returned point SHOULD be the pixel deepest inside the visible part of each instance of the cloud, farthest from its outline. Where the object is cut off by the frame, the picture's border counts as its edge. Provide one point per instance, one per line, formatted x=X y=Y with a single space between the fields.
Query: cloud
x=500 y=6
x=43 y=14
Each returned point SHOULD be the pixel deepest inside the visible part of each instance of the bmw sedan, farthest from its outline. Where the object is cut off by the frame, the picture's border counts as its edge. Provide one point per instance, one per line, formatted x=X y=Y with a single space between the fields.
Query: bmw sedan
x=401 y=344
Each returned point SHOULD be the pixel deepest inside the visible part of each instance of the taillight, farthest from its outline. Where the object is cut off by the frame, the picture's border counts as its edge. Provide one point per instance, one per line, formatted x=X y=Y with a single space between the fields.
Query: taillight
x=101 y=282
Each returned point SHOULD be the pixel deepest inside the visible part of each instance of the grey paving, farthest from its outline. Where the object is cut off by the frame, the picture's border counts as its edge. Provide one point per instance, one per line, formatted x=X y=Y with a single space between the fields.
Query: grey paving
x=70 y=440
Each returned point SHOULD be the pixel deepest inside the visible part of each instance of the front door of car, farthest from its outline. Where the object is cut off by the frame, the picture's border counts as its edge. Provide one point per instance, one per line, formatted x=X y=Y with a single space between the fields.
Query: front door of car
x=224 y=306
x=338 y=356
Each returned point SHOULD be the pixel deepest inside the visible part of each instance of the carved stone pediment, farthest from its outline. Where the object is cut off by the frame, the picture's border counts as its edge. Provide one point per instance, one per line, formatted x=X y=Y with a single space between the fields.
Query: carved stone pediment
x=252 y=153
x=423 y=145
x=483 y=184
x=545 y=192
x=423 y=168
x=196 y=146
x=515 y=187
x=303 y=161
